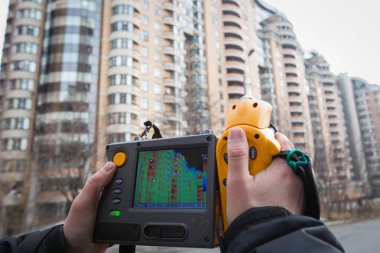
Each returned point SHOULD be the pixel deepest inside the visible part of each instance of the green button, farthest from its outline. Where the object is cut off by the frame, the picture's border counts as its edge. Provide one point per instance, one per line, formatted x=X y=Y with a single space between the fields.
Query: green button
x=115 y=213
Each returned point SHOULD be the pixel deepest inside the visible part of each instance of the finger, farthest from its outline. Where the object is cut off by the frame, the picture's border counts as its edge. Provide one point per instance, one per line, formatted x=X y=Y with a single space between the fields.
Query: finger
x=285 y=143
x=237 y=149
x=90 y=194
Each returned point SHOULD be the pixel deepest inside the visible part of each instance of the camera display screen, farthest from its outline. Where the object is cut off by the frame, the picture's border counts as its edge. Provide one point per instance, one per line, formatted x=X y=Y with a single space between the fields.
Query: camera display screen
x=171 y=178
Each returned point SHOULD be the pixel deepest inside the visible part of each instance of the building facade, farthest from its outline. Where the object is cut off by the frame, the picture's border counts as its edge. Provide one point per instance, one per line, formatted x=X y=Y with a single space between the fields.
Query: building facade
x=19 y=77
x=362 y=105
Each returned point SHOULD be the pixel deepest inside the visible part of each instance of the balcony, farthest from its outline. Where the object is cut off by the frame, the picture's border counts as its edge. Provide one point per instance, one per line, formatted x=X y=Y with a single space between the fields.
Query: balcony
x=168 y=6
x=168 y=20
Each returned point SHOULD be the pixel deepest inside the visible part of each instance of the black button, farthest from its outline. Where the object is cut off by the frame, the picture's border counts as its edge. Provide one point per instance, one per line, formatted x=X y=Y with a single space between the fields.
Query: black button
x=116 y=201
x=119 y=181
x=173 y=232
x=117 y=191
x=252 y=153
x=225 y=156
x=152 y=231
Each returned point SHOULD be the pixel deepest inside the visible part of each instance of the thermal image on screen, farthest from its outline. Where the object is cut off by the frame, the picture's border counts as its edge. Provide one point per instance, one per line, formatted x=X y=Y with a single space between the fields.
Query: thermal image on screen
x=172 y=178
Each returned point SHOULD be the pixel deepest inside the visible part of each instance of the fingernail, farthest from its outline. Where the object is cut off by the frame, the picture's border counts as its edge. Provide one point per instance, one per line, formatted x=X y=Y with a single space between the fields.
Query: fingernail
x=108 y=167
x=235 y=133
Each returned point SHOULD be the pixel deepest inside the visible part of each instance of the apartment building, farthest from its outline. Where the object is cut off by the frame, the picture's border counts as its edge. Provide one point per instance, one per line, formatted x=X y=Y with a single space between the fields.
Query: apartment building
x=19 y=77
x=282 y=76
x=344 y=178
x=362 y=105
x=359 y=164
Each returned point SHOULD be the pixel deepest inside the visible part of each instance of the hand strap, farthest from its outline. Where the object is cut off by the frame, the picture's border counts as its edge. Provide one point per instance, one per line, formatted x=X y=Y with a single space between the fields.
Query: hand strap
x=300 y=163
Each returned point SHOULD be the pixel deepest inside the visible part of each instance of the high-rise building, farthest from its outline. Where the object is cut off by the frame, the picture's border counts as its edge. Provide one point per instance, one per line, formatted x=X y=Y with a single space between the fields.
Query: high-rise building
x=359 y=164
x=282 y=76
x=19 y=77
x=361 y=101
x=342 y=178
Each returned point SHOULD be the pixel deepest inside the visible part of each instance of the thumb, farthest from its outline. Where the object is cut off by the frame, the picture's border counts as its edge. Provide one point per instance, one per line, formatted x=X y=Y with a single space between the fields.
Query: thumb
x=90 y=194
x=237 y=149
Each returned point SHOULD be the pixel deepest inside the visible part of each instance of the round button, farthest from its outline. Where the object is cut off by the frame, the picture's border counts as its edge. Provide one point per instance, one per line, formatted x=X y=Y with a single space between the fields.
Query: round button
x=116 y=201
x=119 y=181
x=119 y=159
x=117 y=191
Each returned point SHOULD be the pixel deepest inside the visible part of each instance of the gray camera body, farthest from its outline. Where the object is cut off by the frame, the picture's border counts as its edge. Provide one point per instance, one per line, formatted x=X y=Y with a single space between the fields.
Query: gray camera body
x=163 y=193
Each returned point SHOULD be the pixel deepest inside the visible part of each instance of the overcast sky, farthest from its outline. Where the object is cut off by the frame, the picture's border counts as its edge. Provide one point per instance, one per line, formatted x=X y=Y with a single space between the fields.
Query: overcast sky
x=345 y=32
x=3 y=19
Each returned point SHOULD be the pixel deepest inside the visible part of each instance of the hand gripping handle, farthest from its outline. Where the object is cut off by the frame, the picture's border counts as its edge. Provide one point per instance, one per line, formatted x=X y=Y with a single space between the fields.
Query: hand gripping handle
x=253 y=116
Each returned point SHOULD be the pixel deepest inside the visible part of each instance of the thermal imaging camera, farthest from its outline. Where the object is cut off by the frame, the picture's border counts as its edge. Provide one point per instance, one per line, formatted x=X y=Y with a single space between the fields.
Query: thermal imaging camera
x=163 y=193
x=172 y=191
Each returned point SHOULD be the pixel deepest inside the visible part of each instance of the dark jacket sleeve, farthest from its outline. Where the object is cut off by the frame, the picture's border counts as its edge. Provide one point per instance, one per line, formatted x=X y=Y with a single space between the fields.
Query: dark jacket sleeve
x=274 y=229
x=49 y=240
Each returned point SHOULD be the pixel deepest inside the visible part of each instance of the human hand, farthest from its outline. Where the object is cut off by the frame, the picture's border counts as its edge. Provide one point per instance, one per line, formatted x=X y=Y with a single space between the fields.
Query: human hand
x=80 y=222
x=275 y=186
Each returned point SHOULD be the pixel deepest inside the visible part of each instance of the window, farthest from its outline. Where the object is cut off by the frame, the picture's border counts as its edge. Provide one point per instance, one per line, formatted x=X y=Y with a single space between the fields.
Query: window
x=119 y=118
x=157 y=25
x=119 y=137
x=157 y=88
x=145 y=36
x=25 y=47
x=157 y=11
x=23 y=65
x=143 y=85
x=119 y=98
x=122 y=26
x=145 y=51
x=16 y=123
x=145 y=19
x=121 y=60
x=29 y=13
x=144 y=68
x=146 y=4
x=15 y=144
x=157 y=56
x=122 y=9
x=157 y=72
x=157 y=106
x=157 y=40
x=19 y=103
x=121 y=43
x=27 y=30
x=120 y=79
x=13 y=165
x=144 y=103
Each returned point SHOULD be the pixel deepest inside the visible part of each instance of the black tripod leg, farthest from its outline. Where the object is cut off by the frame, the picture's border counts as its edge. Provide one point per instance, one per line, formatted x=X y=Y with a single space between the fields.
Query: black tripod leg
x=127 y=248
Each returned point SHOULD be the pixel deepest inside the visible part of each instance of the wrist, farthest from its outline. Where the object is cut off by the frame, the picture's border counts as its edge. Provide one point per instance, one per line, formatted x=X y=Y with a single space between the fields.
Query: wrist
x=251 y=217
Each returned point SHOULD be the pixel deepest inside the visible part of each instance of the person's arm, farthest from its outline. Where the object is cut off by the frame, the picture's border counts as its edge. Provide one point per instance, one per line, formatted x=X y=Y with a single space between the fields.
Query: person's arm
x=49 y=240
x=75 y=236
x=264 y=211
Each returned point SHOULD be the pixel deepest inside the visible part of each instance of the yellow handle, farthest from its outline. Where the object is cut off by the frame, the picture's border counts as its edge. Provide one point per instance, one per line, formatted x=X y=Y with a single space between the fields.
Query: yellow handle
x=253 y=116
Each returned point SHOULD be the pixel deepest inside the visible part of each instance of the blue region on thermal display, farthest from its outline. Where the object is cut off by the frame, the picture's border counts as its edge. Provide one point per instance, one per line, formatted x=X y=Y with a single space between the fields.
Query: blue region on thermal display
x=171 y=179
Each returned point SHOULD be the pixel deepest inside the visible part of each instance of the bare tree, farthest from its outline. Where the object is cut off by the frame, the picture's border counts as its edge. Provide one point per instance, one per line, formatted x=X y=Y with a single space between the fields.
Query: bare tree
x=59 y=171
